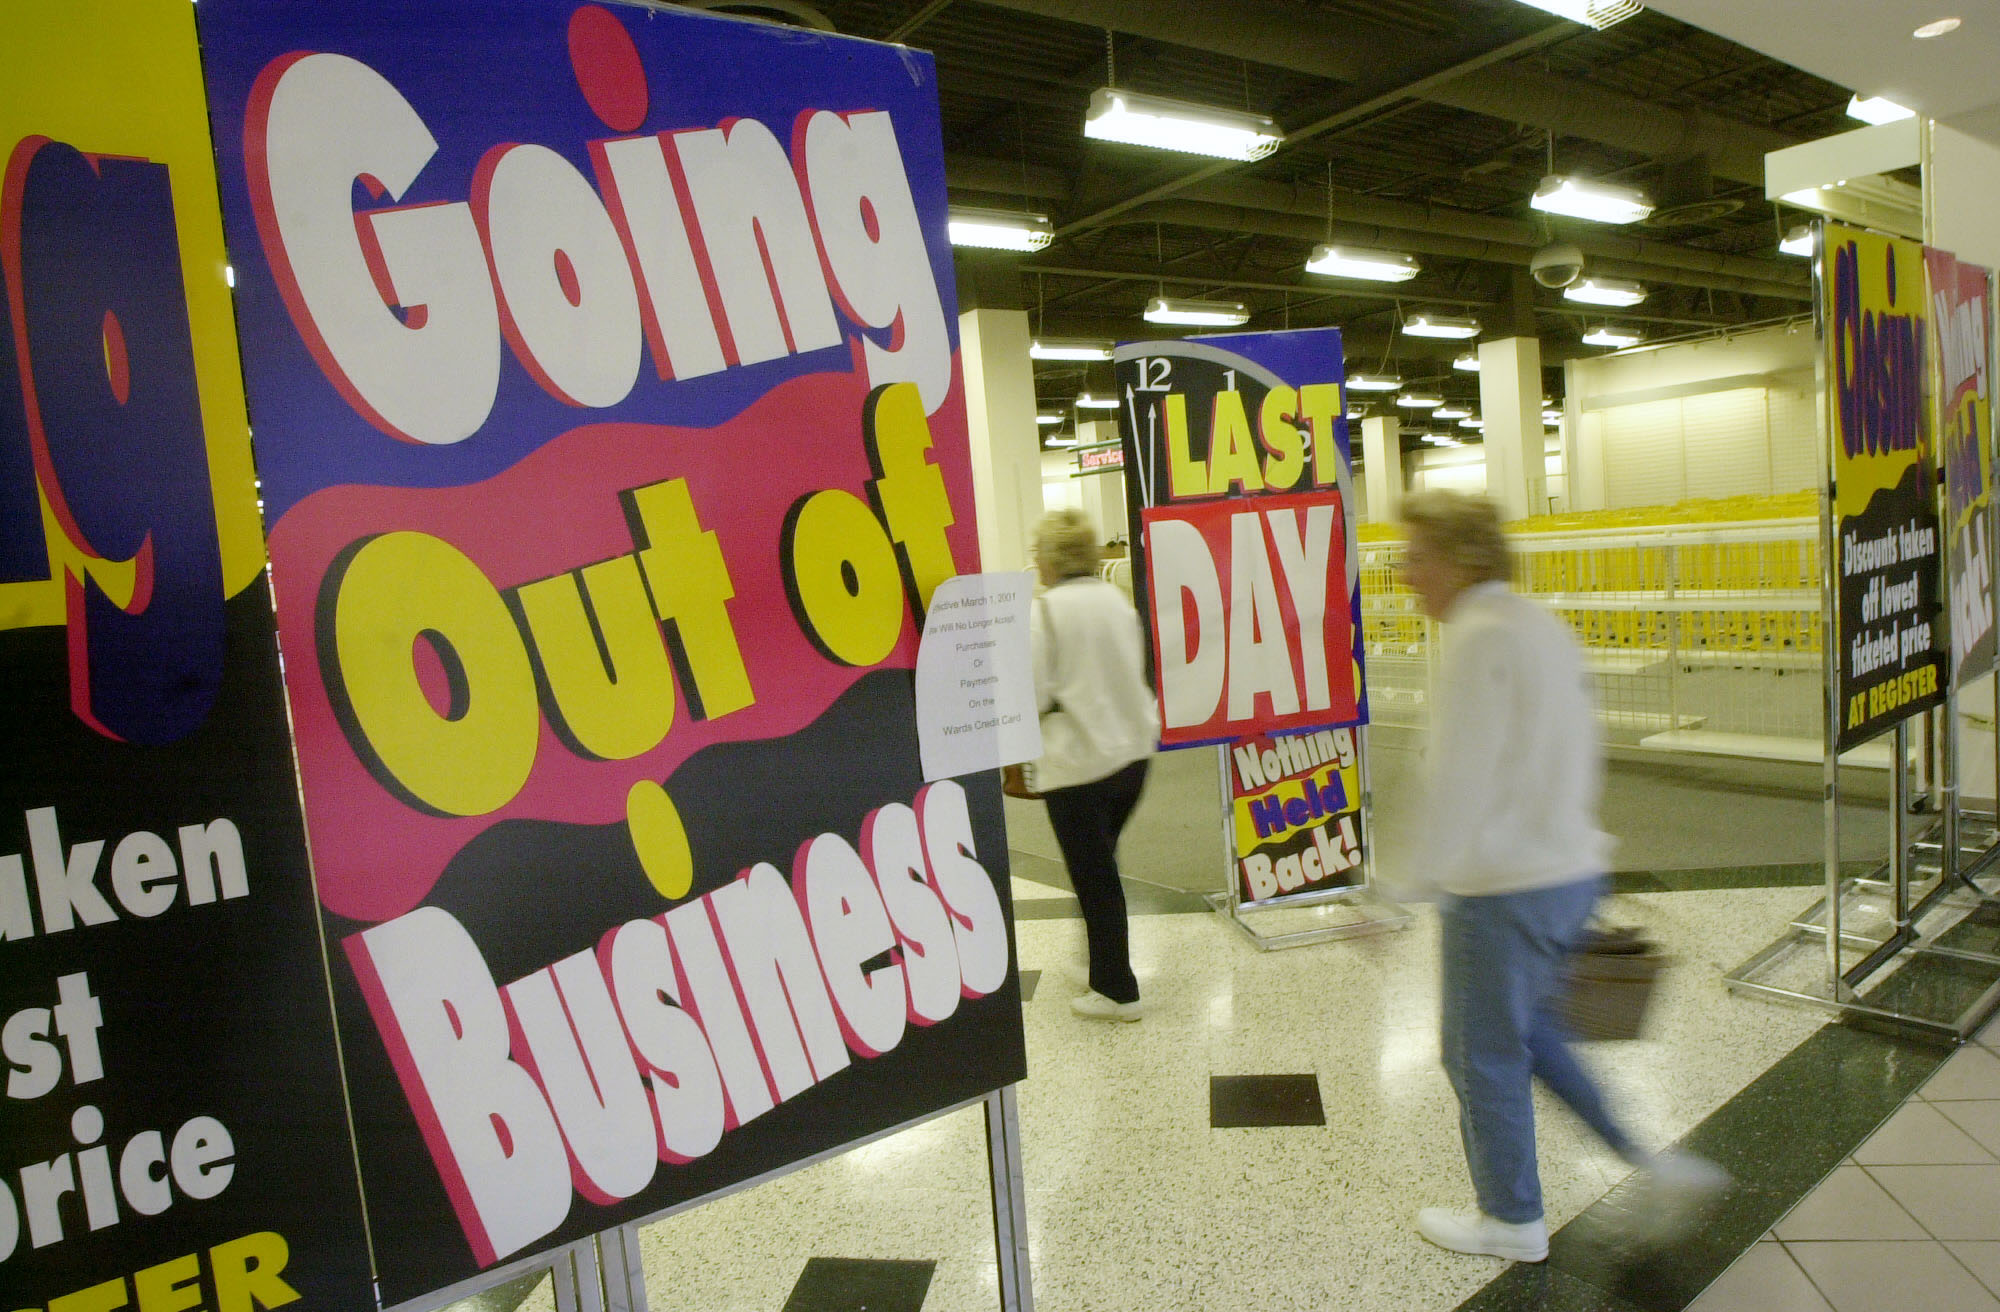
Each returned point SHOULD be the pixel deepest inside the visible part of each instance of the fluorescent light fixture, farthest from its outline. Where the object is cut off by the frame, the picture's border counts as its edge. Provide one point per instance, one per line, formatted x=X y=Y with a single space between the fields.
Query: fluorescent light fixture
x=1440 y=439
x=1877 y=109
x=1357 y=412
x=1798 y=241
x=1469 y=362
x=1367 y=265
x=1812 y=198
x=1166 y=124
x=1068 y=348
x=1427 y=324
x=1374 y=382
x=1604 y=291
x=1931 y=31
x=1420 y=400
x=1475 y=424
x=1552 y=416
x=999 y=230
x=1591 y=13
x=1208 y=314
x=1091 y=401
x=1451 y=412
x=1580 y=198
x=1048 y=420
x=1064 y=439
x=1606 y=334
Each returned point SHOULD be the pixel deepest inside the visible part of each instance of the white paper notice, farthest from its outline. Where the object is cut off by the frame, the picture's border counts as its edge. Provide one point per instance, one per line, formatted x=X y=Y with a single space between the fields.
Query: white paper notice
x=976 y=677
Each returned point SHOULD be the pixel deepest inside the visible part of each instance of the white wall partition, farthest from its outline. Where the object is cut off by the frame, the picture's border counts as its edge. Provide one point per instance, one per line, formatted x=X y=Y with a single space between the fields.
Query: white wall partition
x=1724 y=417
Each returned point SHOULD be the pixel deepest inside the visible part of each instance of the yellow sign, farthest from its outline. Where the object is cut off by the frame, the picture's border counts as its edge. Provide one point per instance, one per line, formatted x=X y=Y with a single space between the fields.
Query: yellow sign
x=1876 y=317
x=122 y=78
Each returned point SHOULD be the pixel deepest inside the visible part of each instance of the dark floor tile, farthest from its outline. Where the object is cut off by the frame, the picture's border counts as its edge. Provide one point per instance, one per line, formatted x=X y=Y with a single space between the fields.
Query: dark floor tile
x=1029 y=979
x=1798 y=874
x=1240 y=1101
x=1540 y=1287
x=854 y=1284
x=1936 y=988
x=1978 y=932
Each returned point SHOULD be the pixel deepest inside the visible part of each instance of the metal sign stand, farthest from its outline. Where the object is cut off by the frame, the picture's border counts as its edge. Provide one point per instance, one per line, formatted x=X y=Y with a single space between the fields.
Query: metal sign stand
x=1874 y=915
x=1340 y=912
x=604 y=1273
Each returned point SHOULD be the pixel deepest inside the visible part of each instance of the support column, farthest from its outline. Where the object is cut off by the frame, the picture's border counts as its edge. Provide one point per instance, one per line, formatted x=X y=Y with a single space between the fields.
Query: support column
x=1382 y=468
x=1000 y=420
x=1510 y=401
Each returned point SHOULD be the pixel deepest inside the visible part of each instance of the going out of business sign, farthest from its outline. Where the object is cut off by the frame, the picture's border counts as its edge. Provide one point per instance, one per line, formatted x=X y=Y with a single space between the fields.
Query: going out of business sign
x=603 y=368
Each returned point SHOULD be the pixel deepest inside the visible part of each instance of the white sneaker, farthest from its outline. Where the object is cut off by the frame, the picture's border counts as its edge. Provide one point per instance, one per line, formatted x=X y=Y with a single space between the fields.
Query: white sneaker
x=1673 y=1193
x=1473 y=1231
x=1098 y=1007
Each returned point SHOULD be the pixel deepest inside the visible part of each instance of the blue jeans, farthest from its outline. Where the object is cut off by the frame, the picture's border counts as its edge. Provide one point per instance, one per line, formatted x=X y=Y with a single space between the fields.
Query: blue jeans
x=1502 y=960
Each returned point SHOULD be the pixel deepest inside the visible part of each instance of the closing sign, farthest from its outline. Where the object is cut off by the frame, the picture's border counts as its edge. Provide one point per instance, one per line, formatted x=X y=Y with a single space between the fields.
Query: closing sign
x=1250 y=618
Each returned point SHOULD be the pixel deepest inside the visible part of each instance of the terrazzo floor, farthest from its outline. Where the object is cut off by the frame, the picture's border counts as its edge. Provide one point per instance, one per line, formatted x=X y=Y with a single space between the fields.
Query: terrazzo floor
x=1134 y=1201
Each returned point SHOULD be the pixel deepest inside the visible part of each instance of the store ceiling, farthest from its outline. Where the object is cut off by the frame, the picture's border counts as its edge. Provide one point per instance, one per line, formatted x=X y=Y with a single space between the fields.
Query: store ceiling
x=1415 y=125
x=1870 y=45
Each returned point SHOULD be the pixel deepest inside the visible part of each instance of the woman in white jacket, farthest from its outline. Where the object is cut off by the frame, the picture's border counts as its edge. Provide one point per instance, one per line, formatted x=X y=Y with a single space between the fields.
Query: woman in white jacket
x=1099 y=727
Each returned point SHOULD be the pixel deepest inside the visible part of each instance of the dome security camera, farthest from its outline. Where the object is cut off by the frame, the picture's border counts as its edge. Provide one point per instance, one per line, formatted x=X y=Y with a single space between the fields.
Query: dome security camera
x=1556 y=266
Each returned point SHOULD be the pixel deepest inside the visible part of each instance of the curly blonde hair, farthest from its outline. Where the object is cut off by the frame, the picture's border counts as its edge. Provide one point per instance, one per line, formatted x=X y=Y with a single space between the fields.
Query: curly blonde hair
x=1066 y=541
x=1465 y=529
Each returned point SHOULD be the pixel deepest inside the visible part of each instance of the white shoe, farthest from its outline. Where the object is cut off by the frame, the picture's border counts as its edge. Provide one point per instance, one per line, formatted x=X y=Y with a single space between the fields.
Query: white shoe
x=1098 y=1007
x=1673 y=1193
x=1473 y=1231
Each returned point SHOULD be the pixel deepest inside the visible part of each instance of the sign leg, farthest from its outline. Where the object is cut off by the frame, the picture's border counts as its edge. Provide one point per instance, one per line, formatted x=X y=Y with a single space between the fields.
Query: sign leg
x=579 y=1287
x=1010 y=1200
x=624 y=1277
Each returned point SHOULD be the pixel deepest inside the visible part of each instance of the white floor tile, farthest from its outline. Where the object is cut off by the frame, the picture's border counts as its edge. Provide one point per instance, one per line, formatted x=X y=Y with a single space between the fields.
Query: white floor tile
x=1848 y=1205
x=1972 y=1072
x=1919 y=1134
x=1890 y=1277
x=1952 y=1202
x=1978 y=1117
x=1982 y=1259
x=1765 y=1279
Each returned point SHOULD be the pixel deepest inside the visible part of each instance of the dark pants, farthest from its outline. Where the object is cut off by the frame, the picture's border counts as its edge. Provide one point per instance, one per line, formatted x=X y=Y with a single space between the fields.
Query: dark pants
x=1088 y=819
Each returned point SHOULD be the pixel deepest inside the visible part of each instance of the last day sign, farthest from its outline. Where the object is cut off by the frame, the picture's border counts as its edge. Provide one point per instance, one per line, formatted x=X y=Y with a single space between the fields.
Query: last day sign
x=1237 y=460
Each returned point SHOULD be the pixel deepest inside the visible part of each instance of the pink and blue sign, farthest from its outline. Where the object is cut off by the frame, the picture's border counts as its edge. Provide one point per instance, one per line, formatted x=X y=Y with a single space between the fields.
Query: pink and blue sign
x=602 y=368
